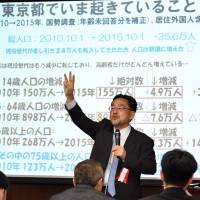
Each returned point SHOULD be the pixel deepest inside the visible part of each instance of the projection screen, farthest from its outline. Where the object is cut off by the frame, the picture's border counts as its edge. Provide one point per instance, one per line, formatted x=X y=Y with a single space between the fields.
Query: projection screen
x=147 y=49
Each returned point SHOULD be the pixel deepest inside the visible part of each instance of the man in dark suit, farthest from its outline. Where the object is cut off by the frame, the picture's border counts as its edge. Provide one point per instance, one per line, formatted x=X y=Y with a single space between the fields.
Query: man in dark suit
x=135 y=152
x=177 y=171
x=87 y=182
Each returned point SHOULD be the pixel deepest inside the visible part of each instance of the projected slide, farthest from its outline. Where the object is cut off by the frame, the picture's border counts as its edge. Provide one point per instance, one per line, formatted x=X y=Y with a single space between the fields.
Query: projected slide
x=148 y=49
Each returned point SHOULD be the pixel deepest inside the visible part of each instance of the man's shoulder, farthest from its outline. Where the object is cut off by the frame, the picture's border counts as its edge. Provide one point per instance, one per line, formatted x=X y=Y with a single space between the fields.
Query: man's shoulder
x=105 y=124
x=161 y=197
x=61 y=195
x=79 y=193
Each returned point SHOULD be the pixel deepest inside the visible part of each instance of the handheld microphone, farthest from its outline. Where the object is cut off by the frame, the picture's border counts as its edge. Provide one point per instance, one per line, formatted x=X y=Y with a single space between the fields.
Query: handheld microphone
x=117 y=137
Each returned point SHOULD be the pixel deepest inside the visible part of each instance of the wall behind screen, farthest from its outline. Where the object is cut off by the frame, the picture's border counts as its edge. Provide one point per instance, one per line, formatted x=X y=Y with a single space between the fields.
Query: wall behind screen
x=145 y=49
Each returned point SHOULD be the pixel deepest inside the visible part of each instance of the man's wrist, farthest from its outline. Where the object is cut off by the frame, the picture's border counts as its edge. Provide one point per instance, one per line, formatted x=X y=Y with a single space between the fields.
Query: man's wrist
x=70 y=105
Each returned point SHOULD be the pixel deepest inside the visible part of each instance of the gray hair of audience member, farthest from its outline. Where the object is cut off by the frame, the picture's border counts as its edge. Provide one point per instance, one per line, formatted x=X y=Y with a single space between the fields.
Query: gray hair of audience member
x=88 y=172
x=178 y=166
x=4 y=183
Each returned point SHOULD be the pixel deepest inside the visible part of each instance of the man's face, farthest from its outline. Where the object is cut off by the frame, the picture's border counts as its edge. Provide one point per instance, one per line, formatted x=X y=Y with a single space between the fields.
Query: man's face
x=120 y=113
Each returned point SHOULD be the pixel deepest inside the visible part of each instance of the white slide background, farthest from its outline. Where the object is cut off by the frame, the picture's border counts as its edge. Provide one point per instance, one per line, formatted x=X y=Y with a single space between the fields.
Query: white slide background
x=146 y=49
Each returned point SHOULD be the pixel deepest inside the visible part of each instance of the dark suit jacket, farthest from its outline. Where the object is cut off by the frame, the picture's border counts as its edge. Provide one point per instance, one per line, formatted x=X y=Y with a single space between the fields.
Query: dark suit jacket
x=170 y=194
x=81 y=192
x=140 y=156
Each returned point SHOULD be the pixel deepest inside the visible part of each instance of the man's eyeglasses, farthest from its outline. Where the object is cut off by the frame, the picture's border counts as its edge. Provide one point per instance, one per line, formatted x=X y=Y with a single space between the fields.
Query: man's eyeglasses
x=119 y=108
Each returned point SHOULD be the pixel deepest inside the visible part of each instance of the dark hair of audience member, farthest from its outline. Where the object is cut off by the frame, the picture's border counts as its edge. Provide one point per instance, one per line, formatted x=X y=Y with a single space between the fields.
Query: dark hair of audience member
x=4 y=183
x=178 y=166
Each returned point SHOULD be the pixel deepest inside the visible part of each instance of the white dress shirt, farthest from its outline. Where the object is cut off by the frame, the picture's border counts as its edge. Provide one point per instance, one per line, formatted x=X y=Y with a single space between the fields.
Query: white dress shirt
x=123 y=136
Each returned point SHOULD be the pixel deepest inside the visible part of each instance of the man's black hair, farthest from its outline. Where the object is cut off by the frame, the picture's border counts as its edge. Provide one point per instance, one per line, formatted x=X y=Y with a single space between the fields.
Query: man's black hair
x=178 y=166
x=4 y=183
x=131 y=101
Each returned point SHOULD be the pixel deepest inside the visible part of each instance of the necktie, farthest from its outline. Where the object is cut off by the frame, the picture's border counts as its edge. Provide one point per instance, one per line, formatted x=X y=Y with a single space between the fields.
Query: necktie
x=111 y=180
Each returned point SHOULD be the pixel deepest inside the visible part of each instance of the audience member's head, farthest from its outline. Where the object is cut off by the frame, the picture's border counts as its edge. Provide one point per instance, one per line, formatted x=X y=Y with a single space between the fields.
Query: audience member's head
x=89 y=172
x=178 y=167
x=3 y=186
